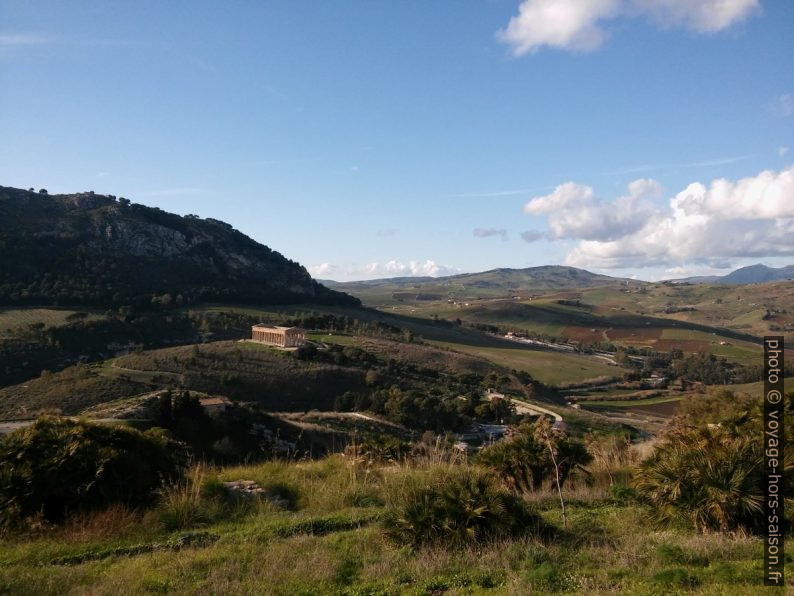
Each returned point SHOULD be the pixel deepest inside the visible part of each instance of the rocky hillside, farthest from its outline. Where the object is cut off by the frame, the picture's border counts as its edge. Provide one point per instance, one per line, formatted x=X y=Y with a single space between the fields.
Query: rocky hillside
x=93 y=249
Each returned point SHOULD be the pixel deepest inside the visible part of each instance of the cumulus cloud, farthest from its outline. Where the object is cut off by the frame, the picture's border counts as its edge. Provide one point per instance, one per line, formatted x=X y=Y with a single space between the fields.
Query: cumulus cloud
x=768 y=195
x=705 y=16
x=707 y=225
x=532 y=235
x=574 y=211
x=490 y=232
x=578 y=25
x=569 y=24
x=374 y=270
x=321 y=270
x=427 y=268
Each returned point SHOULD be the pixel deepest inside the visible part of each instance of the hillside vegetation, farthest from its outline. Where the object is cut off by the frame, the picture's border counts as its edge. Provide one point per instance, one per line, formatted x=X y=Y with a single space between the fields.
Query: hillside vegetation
x=91 y=249
x=428 y=521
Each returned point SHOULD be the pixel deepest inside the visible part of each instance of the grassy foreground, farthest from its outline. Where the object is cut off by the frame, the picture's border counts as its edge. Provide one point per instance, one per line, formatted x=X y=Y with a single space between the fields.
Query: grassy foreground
x=319 y=532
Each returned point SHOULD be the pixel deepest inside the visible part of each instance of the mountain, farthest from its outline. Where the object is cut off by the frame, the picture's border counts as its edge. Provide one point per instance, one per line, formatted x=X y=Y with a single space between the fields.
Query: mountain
x=501 y=281
x=94 y=249
x=752 y=274
x=755 y=274
x=545 y=277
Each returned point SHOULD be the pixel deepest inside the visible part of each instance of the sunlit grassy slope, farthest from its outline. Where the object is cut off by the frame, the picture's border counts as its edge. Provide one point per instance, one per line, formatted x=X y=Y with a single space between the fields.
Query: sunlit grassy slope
x=325 y=538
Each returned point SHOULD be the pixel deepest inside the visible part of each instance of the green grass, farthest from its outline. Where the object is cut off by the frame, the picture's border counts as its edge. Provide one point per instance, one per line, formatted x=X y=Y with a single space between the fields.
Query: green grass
x=757 y=388
x=330 y=542
x=551 y=368
x=631 y=403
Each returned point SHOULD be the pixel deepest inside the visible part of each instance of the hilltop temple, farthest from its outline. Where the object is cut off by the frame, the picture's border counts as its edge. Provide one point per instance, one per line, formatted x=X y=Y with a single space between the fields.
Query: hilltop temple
x=284 y=337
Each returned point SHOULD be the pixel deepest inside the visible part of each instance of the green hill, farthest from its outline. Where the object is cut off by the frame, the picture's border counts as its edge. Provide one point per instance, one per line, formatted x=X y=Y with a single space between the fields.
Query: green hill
x=91 y=249
x=496 y=282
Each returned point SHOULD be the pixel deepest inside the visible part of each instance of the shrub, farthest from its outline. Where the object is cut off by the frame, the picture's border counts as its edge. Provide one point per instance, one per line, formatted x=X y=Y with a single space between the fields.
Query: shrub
x=380 y=449
x=621 y=493
x=713 y=475
x=464 y=507
x=524 y=462
x=59 y=465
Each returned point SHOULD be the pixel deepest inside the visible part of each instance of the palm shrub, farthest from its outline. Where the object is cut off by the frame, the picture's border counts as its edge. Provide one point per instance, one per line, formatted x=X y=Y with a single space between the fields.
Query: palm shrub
x=464 y=506
x=524 y=461
x=379 y=449
x=59 y=465
x=712 y=475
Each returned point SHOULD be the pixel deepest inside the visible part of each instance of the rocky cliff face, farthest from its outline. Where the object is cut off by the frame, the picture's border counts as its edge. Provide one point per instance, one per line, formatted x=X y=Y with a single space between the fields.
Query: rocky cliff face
x=87 y=248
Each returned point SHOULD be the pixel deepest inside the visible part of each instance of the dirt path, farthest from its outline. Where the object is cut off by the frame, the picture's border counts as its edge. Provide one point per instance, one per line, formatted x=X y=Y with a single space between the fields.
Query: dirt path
x=523 y=407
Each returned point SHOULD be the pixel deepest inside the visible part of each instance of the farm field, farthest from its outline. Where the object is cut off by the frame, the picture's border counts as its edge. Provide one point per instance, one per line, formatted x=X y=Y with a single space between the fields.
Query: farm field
x=660 y=316
x=631 y=403
x=756 y=388
x=13 y=318
x=551 y=368
x=548 y=367
x=588 y=323
x=663 y=408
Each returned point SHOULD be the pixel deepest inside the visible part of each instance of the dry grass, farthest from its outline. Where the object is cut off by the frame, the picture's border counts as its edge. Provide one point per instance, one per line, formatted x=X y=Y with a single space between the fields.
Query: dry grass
x=610 y=546
x=117 y=521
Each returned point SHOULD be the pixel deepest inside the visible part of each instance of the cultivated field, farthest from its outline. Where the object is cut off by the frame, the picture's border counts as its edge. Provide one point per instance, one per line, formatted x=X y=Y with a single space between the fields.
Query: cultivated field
x=15 y=318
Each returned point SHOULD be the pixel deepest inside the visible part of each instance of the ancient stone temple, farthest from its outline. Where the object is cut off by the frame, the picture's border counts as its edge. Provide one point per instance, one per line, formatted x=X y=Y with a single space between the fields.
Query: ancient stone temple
x=284 y=337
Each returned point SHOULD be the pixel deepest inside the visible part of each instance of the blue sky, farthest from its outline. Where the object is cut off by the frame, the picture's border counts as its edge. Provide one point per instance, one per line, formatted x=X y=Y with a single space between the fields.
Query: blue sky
x=371 y=138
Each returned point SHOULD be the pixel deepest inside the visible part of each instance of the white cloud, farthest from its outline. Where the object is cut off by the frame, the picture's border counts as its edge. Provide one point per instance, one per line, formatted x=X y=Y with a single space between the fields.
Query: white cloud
x=578 y=24
x=490 y=232
x=321 y=270
x=573 y=210
x=704 y=225
x=427 y=268
x=768 y=195
x=375 y=270
x=569 y=24
x=705 y=16
x=782 y=151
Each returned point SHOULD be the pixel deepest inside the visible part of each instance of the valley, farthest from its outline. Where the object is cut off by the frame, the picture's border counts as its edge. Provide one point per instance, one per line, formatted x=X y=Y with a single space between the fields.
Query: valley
x=403 y=387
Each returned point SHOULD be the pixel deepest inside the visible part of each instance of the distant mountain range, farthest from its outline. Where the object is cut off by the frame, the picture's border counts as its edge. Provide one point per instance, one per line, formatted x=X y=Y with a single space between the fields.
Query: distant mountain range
x=548 y=277
x=97 y=250
x=752 y=274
